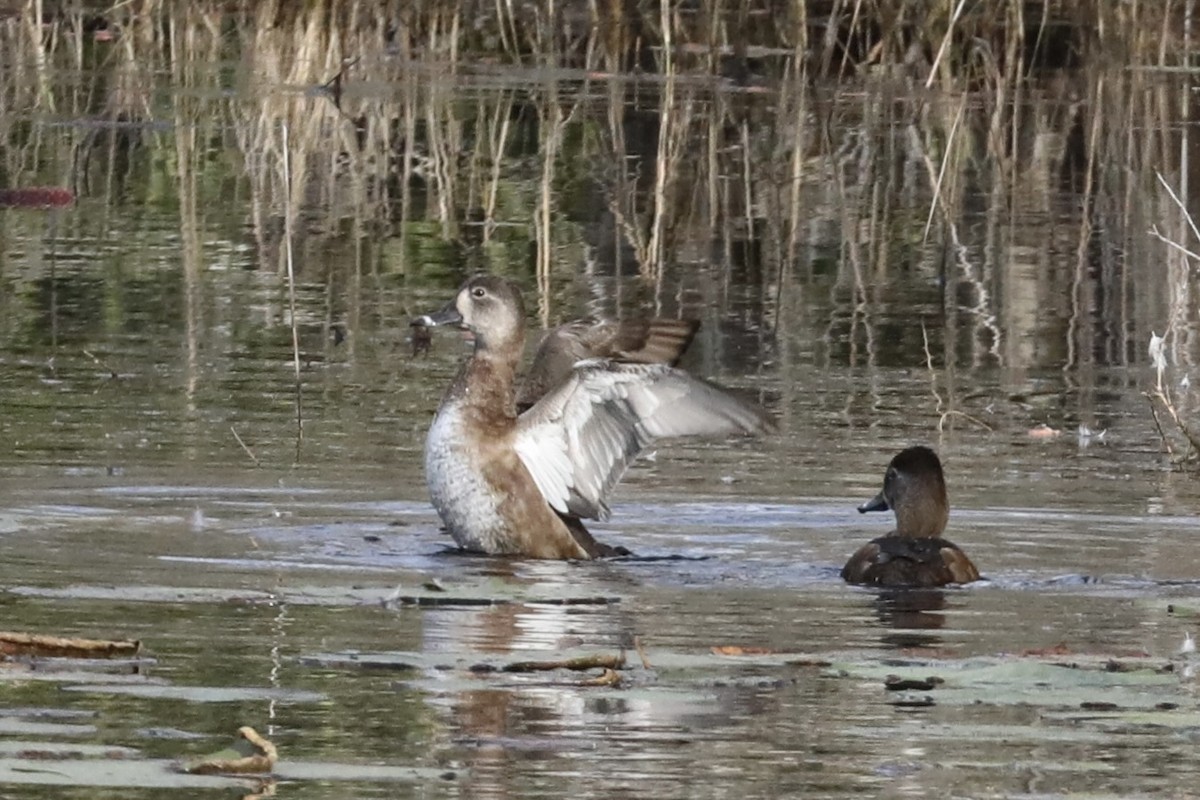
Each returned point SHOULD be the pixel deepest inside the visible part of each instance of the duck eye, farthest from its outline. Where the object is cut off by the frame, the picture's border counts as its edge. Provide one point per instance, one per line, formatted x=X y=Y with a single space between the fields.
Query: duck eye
x=478 y=291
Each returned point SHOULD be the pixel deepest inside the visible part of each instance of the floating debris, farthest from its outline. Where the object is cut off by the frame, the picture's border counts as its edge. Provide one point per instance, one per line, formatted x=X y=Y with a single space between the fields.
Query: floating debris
x=896 y=683
x=738 y=650
x=250 y=753
x=599 y=660
x=609 y=677
x=1044 y=431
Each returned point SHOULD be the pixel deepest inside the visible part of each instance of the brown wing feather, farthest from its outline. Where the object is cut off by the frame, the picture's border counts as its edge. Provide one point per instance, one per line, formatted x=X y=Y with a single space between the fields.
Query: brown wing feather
x=909 y=561
x=635 y=341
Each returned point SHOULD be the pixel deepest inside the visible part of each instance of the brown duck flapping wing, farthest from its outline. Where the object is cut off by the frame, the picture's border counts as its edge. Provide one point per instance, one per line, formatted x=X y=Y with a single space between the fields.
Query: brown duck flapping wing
x=578 y=440
x=632 y=341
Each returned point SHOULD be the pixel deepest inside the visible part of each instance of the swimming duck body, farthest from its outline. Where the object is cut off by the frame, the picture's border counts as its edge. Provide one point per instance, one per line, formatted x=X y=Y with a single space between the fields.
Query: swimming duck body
x=914 y=554
x=516 y=475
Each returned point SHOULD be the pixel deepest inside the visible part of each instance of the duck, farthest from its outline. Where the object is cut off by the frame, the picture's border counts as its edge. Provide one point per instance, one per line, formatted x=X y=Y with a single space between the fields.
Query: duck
x=914 y=554
x=514 y=467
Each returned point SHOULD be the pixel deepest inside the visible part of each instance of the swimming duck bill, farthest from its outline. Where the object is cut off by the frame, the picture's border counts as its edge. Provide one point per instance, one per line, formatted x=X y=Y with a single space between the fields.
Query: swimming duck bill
x=447 y=316
x=877 y=503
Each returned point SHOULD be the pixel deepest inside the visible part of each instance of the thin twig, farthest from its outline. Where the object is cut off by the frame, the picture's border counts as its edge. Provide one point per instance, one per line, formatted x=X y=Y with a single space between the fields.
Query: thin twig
x=1174 y=244
x=964 y=415
x=112 y=373
x=248 y=451
x=1158 y=424
x=336 y=80
x=1193 y=440
x=1191 y=222
x=932 y=372
x=641 y=651
x=937 y=186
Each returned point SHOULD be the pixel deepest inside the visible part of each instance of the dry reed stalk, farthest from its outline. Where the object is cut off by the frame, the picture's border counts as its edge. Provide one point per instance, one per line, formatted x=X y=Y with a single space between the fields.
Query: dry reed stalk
x=288 y=233
x=938 y=200
x=712 y=169
x=187 y=116
x=652 y=262
x=444 y=137
x=408 y=100
x=1080 y=313
x=497 y=143
x=622 y=195
x=666 y=20
x=937 y=59
x=854 y=17
x=797 y=126
x=551 y=124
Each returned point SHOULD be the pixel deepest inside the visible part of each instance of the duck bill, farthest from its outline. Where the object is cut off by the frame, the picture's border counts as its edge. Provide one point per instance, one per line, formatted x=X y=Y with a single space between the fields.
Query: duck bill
x=877 y=503
x=447 y=316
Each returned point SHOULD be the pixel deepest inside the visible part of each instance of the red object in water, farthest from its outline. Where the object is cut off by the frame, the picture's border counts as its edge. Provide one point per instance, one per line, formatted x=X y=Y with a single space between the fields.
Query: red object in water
x=36 y=197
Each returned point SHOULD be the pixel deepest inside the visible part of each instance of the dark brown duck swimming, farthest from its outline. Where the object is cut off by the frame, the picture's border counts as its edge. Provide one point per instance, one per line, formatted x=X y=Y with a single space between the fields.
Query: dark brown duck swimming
x=915 y=554
x=515 y=470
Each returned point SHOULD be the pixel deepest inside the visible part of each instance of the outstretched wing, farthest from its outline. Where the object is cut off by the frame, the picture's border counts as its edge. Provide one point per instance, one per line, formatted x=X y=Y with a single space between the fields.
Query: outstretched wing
x=637 y=341
x=578 y=440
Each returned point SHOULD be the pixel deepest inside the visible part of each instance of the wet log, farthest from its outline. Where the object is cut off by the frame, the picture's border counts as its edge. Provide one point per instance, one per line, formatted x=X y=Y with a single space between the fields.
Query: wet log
x=599 y=661
x=30 y=644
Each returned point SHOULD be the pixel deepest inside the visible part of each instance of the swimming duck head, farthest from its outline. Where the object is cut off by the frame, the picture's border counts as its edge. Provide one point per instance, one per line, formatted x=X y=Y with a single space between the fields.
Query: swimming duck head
x=915 y=489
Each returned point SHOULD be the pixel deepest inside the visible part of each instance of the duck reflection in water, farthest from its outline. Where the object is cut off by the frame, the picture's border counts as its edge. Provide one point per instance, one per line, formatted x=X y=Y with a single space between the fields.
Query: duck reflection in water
x=912 y=616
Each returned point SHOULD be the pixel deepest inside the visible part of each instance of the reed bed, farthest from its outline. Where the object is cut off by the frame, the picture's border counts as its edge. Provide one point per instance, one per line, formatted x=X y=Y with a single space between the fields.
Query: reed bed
x=1005 y=150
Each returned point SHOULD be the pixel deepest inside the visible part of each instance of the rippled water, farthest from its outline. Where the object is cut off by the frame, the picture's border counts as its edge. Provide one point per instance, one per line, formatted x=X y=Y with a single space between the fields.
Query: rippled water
x=154 y=487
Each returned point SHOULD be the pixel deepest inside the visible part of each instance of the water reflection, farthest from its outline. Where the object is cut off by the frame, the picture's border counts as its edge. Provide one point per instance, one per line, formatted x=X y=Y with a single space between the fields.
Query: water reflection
x=912 y=616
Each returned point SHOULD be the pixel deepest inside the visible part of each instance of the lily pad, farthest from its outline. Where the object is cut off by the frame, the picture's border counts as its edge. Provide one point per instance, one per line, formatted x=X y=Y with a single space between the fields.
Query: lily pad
x=332 y=771
x=201 y=694
x=660 y=661
x=1028 y=682
x=28 y=749
x=20 y=727
x=100 y=772
x=161 y=774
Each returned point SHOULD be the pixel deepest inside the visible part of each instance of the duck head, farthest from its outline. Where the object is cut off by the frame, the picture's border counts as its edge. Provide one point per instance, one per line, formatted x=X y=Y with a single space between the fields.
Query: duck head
x=915 y=489
x=490 y=307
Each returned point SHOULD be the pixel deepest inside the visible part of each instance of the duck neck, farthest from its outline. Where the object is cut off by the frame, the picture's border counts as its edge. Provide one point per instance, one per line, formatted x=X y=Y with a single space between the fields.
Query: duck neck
x=926 y=518
x=487 y=380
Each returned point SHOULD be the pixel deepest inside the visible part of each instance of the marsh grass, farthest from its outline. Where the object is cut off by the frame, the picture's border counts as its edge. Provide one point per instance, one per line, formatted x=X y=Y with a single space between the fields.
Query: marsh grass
x=1005 y=150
